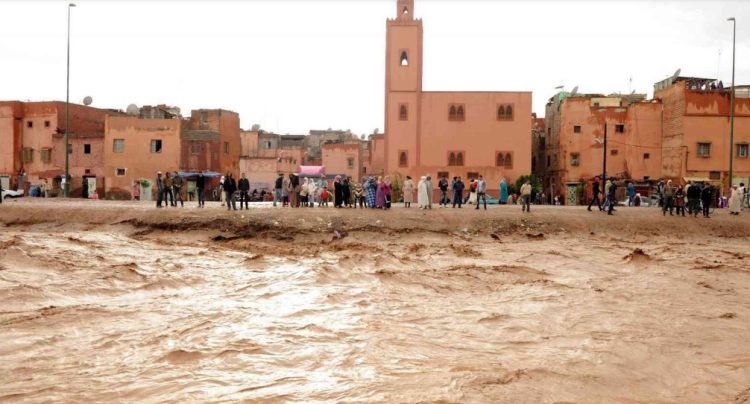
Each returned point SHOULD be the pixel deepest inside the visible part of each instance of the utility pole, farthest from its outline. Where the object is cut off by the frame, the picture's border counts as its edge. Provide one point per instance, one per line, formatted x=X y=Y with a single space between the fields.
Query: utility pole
x=731 y=104
x=66 y=188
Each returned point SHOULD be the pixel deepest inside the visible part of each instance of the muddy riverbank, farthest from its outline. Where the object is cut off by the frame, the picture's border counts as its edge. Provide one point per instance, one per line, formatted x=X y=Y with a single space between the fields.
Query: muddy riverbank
x=118 y=301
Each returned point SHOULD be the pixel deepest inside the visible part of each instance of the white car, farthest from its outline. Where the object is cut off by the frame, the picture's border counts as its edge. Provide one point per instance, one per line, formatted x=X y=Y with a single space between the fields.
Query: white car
x=9 y=193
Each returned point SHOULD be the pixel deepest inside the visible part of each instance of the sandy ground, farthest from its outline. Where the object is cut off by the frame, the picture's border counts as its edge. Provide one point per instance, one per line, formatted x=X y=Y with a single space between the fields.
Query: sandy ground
x=119 y=301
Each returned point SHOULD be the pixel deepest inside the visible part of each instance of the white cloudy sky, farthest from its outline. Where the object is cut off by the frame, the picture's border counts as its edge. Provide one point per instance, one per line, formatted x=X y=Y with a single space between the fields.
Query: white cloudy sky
x=292 y=66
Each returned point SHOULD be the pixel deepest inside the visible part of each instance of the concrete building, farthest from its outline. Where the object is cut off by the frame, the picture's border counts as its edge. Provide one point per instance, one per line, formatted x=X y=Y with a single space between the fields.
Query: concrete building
x=695 y=142
x=574 y=142
x=447 y=133
x=315 y=140
x=538 y=139
x=33 y=152
x=264 y=155
x=345 y=158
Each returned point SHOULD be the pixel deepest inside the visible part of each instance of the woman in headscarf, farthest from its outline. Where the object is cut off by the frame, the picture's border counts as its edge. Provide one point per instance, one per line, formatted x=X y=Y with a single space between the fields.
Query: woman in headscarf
x=312 y=192
x=503 y=192
x=430 y=192
x=387 y=195
x=338 y=192
x=303 y=192
x=422 y=199
x=346 y=192
x=358 y=195
x=409 y=191
x=372 y=191
x=380 y=194
x=285 y=192
x=352 y=201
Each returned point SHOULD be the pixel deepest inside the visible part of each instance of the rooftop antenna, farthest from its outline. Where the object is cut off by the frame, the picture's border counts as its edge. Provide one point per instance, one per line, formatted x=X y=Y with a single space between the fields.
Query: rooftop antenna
x=718 y=65
x=575 y=91
x=630 y=83
x=560 y=87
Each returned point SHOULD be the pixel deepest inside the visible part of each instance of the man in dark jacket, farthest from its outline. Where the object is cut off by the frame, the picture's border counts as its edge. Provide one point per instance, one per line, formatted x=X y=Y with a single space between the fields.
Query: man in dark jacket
x=160 y=190
x=277 y=188
x=595 y=192
x=458 y=192
x=177 y=183
x=694 y=199
x=230 y=186
x=707 y=196
x=200 y=186
x=244 y=187
x=443 y=185
x=612 y=199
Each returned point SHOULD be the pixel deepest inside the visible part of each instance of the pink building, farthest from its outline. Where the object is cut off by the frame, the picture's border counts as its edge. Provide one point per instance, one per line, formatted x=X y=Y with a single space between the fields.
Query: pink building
x=345 y=159
x=444 y=133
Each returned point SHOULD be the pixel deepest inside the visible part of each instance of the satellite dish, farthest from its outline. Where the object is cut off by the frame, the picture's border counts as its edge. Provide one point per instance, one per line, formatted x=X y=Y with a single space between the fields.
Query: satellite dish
x=255 y=128
x=132 y=110
x=676 y=74
x=575 y=91
x=87 y=100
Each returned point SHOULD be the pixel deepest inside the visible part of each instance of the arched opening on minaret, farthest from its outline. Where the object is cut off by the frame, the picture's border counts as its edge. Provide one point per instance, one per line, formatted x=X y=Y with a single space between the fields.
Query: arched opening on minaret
x=405 y=11
x=404 y=59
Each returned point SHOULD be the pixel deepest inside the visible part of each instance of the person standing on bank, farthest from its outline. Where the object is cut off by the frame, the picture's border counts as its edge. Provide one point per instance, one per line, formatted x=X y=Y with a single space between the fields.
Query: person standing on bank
x=428 y=182
x=409 y=191
x=277 y=186
x=694 y=199
x=443 y=186
x=177 y=183
x=481 y=192
x=169 y=196
x=200 y=186
x=160 y=192
x=611 y=197
x=230 y=186
x=668 y=195
x=503 y=192
x=707 y=196
x=458 y=192
x=244 y=187
x=526 y=197
x=595 y=195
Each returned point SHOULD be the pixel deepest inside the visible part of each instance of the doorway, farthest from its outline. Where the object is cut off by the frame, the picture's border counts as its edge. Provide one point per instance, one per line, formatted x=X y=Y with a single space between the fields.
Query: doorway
x=146 y=191
x=90 y=186
x=5 y=182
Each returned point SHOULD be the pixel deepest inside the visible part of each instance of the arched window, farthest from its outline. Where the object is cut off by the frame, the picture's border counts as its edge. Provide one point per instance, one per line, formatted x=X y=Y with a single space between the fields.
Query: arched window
x=460 y=113
x=402 y=159
x=501 y=112
x=404 y=59
x=406 y=11
x=452 y=159
x=452 y=113
x=508 y=160
x=403 y=113
x=459 y=158
x=500 y=160
x=509 y=112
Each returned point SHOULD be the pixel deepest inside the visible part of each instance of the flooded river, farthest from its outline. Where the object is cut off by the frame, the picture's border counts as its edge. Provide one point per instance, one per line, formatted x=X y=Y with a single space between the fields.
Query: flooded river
x=103 y=316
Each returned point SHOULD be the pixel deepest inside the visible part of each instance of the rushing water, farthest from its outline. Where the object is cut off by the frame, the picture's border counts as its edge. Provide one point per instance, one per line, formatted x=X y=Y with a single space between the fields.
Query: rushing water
x=100 y=316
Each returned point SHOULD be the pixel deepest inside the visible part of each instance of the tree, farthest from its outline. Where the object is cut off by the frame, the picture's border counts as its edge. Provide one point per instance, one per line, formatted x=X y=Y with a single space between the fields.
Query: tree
x=536 y=186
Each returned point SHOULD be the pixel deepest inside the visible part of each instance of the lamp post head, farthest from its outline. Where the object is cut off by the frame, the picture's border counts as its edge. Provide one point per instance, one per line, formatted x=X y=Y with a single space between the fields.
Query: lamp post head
x=731 y=19
x=71 y=4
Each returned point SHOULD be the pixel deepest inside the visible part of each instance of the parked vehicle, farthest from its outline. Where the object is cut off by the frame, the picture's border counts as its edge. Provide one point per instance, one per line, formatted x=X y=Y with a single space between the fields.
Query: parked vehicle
x=9 y=193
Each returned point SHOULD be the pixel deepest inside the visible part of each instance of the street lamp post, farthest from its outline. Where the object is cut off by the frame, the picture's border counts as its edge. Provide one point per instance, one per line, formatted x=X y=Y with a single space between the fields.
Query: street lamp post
x=66 y=188
x=731 y=104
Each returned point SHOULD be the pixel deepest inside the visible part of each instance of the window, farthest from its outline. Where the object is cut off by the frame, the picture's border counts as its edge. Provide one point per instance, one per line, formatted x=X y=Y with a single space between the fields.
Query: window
x=459 y=159
x=404 y=58
x=87 y=148
x=267 y=144
x=451 y=159
x=508 y=160
x=504 y=159
x=619 y=128
x=505 y=113
x=120 y=172
x=27 y=155
x=350 y=162
x=46 y=154
x=403 y=113
x=403 y=159
x=596 y=104
x=87 y=171
x=456 y=112
x=577 y=129
x=714 y=175
x=704 y=150
x=196 y=148
x=548 y=161
x=646 y=156
x=614 y=152
x=575 y=159
x=742 y=150
x=118 y=145
x=442 y=174
x=204 y=117
x=226 y=147
x=46 y=124
x=500 y=160
x=29 y=124
x=155 y=145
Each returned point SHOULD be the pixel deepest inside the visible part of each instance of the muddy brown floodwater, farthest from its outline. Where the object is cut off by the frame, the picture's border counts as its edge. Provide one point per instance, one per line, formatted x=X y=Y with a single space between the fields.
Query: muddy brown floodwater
x=107 y=302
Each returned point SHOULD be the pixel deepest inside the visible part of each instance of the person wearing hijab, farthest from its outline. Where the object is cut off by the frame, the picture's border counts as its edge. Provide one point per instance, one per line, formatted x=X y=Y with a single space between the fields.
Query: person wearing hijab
x=285 y=192
x=358 y=195
x=503 y=192
x=735 y=201
x=312 y=192
x=338 y=193
x=428 y=183
x=387 y=192
x=372 y=191
x=380 y=194
x=409 y=191
x=422 y=193
x=303 y=195
x=346 y=192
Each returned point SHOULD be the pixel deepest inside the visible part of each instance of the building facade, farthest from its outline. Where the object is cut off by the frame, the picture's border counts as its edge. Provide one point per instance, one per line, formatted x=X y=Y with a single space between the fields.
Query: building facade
x=444 y=133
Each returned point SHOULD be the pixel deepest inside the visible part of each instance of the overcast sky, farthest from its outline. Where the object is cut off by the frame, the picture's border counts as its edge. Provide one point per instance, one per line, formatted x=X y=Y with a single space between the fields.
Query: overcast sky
x=292 y=66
